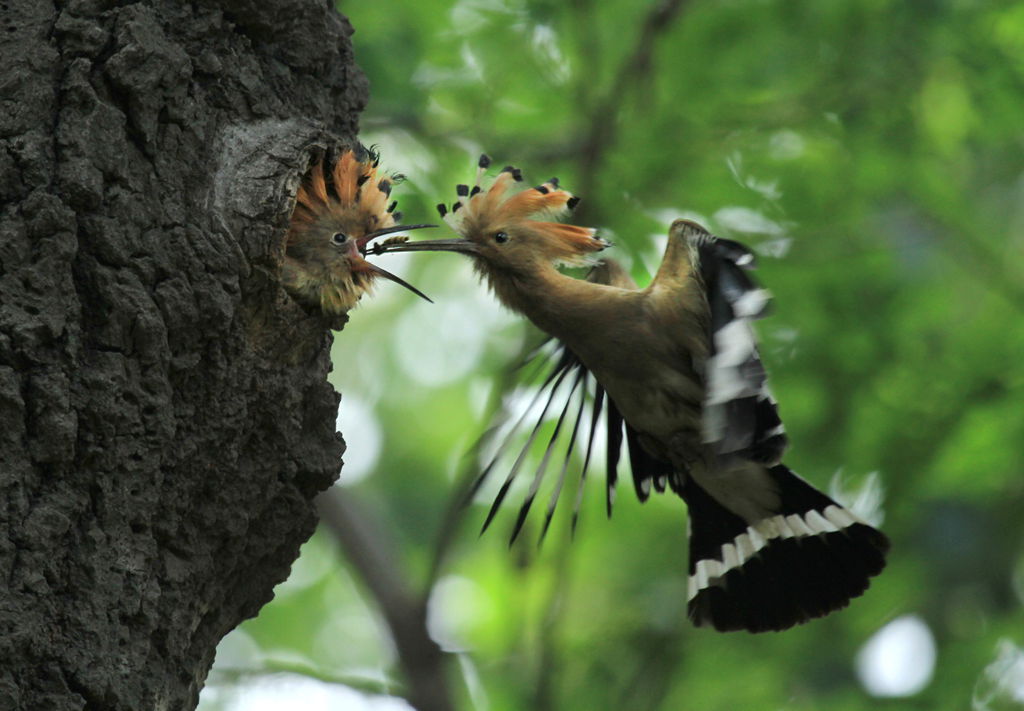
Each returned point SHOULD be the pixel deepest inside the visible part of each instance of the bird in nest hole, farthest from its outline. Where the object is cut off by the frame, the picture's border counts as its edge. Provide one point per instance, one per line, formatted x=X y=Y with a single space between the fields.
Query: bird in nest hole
x=340 y=209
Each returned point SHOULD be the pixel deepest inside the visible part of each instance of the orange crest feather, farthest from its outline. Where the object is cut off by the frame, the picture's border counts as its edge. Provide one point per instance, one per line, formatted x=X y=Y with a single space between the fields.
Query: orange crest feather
x=357 y=190
x=495 y=207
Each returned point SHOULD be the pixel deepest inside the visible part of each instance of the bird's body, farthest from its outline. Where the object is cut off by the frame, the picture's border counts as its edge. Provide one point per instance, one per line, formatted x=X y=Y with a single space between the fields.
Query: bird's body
x=641 y=331
x=685 y=384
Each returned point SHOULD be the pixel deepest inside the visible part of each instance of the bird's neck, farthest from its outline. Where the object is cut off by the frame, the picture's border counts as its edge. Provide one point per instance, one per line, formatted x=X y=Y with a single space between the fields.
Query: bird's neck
x=562 y=306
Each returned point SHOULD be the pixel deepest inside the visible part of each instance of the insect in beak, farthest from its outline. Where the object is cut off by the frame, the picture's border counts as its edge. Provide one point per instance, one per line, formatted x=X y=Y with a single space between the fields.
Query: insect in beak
x=377 y=249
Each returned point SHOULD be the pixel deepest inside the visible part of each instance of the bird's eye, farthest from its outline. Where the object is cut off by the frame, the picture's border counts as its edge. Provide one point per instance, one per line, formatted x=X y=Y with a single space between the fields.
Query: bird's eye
x=501 y=237
x=339 y=238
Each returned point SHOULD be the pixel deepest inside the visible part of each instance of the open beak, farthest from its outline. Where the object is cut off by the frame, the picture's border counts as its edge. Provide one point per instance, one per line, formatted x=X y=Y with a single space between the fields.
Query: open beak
x=463 y=246
x=374 y=269
x=366 y=239
x=358 y=264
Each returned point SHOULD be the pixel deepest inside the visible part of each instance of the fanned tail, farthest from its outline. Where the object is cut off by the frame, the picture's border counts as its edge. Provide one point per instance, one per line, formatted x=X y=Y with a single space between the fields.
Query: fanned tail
x=806 y=558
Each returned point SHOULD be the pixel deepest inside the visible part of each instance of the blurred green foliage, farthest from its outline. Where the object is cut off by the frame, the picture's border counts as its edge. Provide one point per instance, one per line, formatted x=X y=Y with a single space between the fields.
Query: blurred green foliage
x=872 y=151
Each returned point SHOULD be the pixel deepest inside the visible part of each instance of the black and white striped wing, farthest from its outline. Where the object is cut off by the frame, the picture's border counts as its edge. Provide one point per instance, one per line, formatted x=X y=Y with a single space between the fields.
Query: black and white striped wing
x=740 y=415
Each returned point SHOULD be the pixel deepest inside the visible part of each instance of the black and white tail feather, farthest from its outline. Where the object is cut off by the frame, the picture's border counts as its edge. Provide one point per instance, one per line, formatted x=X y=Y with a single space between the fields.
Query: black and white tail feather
x=802 y=557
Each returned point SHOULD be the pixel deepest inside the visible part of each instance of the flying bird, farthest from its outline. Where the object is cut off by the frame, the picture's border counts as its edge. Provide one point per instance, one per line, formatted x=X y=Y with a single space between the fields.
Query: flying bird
x=676 y=369
x=339 y=209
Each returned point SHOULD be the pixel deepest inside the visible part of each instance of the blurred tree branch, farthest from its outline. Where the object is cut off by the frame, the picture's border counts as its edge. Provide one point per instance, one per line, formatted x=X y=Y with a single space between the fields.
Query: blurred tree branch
x=364 y=543
x=548 y=664
x=601 y=133
x=603 y=109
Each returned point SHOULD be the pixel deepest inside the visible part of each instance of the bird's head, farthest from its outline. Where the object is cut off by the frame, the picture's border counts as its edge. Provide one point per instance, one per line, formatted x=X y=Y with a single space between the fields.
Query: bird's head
x=512 y=231
x=339 y=210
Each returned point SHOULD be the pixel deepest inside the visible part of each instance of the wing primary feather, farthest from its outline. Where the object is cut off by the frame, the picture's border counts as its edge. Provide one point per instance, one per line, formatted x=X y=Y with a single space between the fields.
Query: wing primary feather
x=740 y=416
x=594 y=417
x=538 y=356
x=615 y=422
x=647 y=470
x=556 y=493
x=538 y=477
x=500 y=451
x=526 y=447
x=478 y=482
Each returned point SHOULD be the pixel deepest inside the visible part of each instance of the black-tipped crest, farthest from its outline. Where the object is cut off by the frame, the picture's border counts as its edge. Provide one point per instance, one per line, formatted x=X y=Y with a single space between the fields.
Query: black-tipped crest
x=499 y=208
x=517 y=174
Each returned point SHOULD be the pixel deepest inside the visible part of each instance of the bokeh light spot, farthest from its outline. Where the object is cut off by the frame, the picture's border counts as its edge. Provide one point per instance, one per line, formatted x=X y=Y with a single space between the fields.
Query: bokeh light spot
x=899 y=660
x=358 y=424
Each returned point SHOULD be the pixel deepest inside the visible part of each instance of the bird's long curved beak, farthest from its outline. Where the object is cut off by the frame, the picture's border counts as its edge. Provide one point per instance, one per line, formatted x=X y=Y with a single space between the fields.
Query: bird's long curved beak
x=398 y=280
x=358 y=264
x=463 y=246
x=366 y=239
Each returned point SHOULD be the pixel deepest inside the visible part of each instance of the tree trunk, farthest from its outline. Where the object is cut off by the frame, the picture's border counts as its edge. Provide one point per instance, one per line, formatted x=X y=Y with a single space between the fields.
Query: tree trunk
x=164 y=415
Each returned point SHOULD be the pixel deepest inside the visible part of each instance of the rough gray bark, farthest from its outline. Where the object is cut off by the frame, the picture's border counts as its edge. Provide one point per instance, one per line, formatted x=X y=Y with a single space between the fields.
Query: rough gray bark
x=164 y=415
